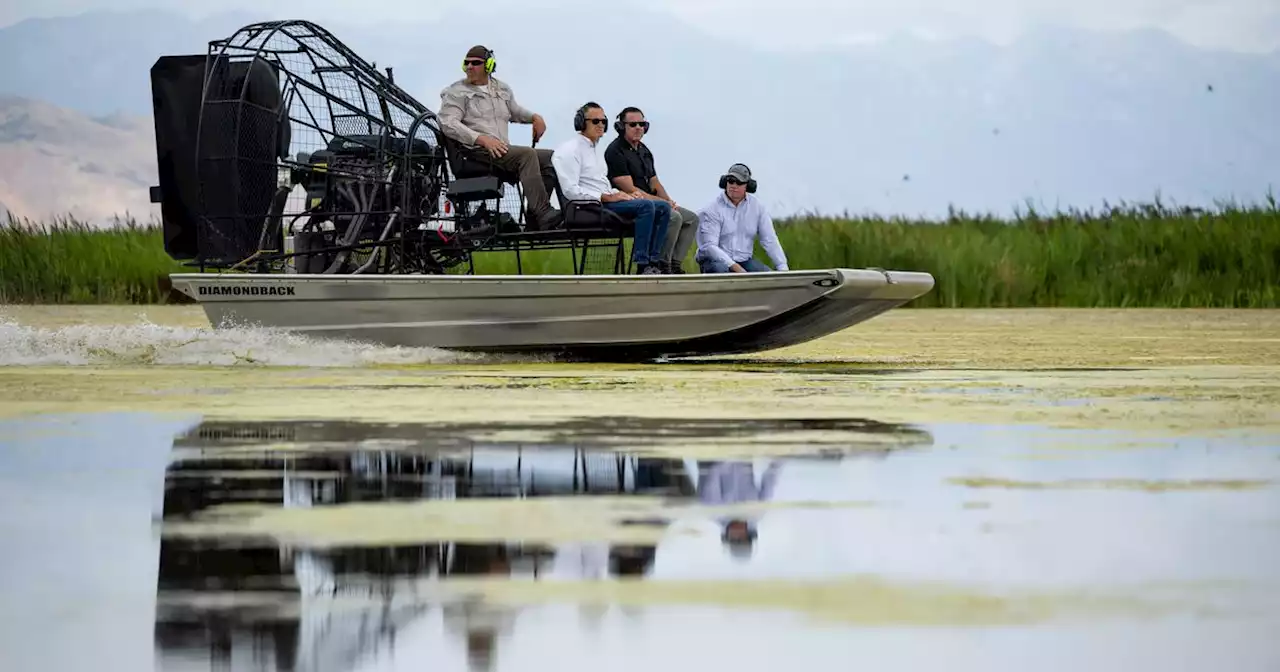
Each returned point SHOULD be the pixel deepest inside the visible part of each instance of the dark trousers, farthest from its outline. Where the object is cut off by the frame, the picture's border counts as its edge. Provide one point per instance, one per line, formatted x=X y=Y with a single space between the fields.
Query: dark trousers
x=751 y=265
x=652 y=218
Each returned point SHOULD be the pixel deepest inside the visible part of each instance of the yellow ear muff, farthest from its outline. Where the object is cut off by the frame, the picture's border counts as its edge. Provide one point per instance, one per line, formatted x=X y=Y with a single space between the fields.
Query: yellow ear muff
x=489 y=64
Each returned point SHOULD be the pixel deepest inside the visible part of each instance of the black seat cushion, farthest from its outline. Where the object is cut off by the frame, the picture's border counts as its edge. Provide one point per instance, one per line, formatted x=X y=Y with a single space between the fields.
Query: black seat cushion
x=467 y=166
x=467 y=162
x=592 y=215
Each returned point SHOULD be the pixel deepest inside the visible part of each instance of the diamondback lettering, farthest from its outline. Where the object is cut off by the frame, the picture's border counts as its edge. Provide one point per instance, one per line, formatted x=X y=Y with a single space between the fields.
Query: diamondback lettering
x=245 y=291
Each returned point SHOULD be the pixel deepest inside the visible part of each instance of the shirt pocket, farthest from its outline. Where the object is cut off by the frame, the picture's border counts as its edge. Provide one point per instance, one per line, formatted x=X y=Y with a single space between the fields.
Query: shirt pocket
x=477 y=106
x=502 y=105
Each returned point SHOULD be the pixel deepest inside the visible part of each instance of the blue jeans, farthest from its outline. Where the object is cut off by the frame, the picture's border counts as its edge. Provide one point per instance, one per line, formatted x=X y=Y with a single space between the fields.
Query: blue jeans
x=652 y=218
x=713 y=266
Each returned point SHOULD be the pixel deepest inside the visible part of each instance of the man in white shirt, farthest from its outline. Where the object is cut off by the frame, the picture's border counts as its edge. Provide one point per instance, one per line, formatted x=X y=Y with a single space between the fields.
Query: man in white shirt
x=583 y=177
x=729 y=225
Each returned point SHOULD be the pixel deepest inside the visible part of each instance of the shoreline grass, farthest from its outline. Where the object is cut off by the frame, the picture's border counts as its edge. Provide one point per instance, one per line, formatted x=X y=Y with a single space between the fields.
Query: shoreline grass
x=1139 y=255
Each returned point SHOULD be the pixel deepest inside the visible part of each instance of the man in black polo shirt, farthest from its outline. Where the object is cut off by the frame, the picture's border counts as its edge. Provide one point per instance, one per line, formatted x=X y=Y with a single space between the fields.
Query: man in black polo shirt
x=630 y=165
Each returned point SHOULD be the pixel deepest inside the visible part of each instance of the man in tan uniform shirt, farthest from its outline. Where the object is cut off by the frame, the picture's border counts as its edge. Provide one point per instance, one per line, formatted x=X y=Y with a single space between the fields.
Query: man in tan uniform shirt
x=476 y=111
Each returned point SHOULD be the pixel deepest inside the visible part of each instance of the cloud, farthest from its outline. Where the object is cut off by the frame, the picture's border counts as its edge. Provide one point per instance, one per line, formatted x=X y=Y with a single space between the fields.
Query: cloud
x=1248 y=25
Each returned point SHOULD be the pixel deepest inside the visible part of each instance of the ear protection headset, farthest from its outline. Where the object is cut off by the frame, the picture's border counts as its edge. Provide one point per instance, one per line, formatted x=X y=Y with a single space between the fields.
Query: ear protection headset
x=751 y=182
x=618 y=125
x=489 y=64
x=580 y=117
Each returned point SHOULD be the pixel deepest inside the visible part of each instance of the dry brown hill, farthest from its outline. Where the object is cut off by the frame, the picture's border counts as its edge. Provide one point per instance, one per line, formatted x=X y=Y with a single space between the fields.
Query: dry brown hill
x=58 y=162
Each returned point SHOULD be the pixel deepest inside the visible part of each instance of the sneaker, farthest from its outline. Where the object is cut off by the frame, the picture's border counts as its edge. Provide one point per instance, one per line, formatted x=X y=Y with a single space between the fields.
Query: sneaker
x=651 y=269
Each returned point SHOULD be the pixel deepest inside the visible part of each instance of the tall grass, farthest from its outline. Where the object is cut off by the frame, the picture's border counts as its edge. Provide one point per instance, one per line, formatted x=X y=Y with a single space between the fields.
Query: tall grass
x=67 y=261
x=1119 y=256
x=1125 y=255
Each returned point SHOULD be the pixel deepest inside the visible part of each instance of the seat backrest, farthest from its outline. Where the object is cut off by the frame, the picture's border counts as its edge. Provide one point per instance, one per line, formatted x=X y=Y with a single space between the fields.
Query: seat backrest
x=463 y=164
x=452 y=152
x=590 y=215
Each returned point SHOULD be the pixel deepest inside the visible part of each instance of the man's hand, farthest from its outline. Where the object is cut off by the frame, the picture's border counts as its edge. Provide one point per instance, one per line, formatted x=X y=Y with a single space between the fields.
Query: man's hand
x=615 y=196
x=495 y=146
x=539 y=127
x=737 y=268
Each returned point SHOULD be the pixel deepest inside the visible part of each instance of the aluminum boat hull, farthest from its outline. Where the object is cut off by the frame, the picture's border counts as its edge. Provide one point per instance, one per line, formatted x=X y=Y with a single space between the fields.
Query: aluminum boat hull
x=611 y=317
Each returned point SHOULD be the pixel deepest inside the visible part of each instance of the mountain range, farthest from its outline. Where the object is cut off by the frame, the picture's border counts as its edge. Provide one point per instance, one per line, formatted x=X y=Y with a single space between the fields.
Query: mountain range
x=1059 y=117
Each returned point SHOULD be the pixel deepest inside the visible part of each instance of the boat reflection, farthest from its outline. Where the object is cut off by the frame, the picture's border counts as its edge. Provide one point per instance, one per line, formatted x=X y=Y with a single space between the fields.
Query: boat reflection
x=261 y=604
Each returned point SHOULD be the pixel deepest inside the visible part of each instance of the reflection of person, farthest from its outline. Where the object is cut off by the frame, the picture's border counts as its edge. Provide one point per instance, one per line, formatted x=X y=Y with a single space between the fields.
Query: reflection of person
x=597 y=561
x=480 y=624
x=726 y=483
x=581 y=561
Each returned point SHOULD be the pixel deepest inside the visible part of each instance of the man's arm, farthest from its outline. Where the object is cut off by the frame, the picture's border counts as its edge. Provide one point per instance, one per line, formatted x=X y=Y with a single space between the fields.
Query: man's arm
x=624 y=183
x=770 y=480
x=568 y=170
x=769 y=239
x=616 y=165
x=660 y=190
x=620 y=174
x=452 y=104
x=708 y=236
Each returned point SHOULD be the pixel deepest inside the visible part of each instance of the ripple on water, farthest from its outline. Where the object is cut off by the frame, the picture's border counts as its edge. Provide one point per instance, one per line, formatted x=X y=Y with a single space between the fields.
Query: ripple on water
x=145 y=342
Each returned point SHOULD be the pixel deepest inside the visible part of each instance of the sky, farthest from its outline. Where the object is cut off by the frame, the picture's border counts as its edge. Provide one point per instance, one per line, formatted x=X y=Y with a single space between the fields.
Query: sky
x=1240 y=25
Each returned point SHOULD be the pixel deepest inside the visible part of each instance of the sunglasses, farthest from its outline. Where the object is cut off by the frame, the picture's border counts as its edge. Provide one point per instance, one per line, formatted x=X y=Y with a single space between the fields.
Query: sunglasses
x=641 y=124
x=730 y=180
x=599 y=122
x=472 y=61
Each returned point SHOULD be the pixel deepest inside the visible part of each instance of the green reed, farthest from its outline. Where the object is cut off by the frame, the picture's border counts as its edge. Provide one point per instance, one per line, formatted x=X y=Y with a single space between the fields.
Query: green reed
x=1124 y=255
x=68 y=261
x=1148 y=255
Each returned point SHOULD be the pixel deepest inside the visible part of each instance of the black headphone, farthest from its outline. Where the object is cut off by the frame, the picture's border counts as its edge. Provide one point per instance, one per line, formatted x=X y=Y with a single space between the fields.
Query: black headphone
x=580 y=117
x=751 y=181
x=617 y=125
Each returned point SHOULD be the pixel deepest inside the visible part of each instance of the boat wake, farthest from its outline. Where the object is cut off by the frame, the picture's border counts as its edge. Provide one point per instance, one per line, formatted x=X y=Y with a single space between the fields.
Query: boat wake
x=148 y=343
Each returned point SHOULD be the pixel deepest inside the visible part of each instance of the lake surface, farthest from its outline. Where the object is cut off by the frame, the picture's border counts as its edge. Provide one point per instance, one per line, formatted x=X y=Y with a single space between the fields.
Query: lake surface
x=960 y=490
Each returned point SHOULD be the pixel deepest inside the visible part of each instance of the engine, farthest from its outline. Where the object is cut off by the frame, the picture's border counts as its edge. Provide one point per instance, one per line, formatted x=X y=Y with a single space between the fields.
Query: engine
x=354 y=188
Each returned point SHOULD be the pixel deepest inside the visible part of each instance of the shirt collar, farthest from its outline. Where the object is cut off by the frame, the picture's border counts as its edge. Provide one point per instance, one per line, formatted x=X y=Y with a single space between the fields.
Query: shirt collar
x=583 y=139
x=724 y=198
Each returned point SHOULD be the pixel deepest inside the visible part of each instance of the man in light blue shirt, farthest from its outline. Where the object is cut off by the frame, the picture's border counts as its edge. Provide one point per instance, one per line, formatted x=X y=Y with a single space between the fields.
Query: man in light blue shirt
x=729 y=225
x=584 y=177
x=729 y=483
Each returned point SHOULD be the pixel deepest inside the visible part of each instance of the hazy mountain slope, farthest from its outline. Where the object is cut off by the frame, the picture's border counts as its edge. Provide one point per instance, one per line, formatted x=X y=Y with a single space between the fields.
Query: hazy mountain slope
x=1060 y=117
x=98 y=63
x=55 y=161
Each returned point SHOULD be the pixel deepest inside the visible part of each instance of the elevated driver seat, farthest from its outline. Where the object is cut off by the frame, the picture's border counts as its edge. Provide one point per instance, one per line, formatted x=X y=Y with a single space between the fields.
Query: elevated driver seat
x=474 y=167
x=466 y=164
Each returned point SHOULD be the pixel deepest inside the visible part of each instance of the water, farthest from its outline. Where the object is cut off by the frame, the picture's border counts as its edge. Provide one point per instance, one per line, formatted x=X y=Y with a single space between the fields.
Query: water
x=887 y=499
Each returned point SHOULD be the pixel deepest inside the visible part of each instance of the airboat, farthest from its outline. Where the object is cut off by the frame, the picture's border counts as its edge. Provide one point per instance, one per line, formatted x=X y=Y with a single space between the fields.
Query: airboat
x=307 y=191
